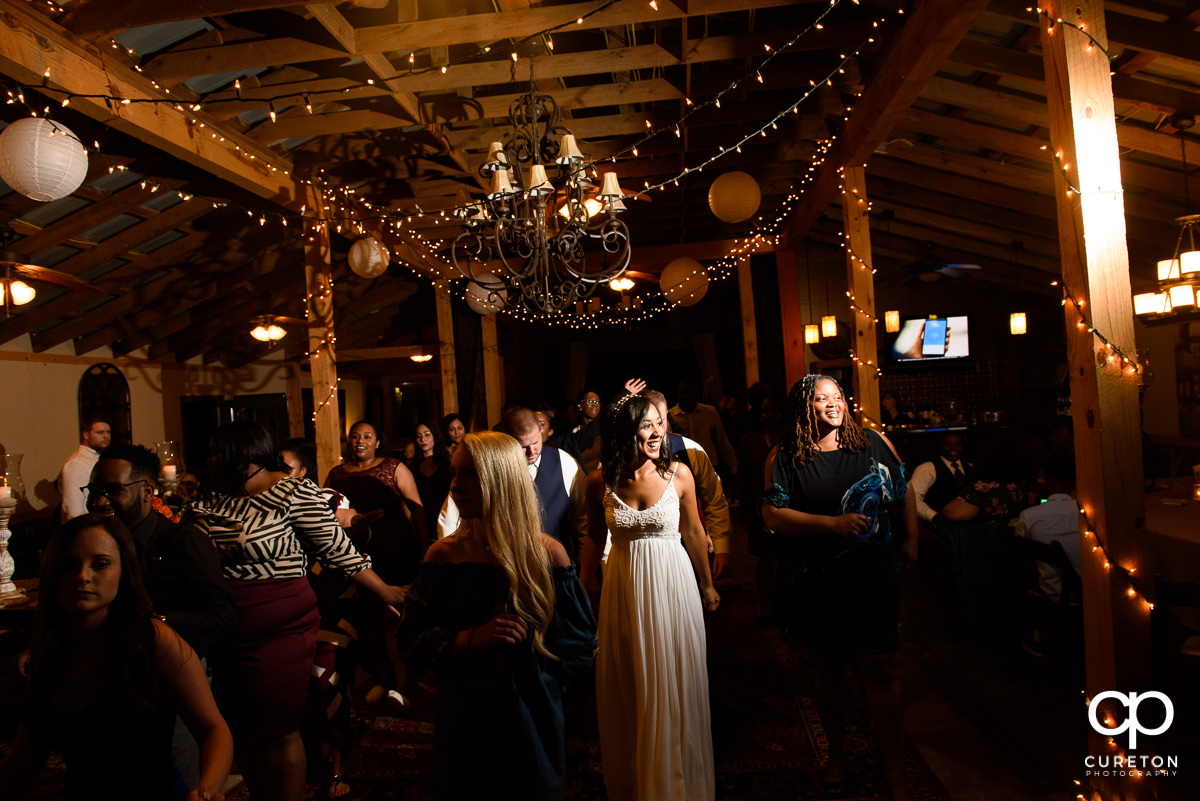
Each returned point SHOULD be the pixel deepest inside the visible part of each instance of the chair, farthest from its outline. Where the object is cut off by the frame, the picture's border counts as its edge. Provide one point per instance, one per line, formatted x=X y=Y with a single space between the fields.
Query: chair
x=1062 y=620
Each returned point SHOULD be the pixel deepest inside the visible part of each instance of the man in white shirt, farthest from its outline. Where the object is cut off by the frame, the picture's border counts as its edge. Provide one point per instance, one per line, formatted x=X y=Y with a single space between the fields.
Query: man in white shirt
x=935 y=483
x=94 y=436
x=702 y=423
x=556 y=476
x=1056 y=520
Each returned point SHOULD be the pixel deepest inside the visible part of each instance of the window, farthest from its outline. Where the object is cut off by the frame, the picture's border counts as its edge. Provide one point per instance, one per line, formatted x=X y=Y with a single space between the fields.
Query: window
x=104 y=391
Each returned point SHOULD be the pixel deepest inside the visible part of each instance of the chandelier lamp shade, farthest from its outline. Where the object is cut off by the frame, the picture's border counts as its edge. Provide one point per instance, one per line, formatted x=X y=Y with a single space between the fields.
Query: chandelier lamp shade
x=1178 y=280
x=42 y=159
x=543 y=237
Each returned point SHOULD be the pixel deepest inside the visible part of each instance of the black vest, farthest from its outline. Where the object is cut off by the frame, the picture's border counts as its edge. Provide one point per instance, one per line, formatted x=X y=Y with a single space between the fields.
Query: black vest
x=550 y=489
x=945 y=487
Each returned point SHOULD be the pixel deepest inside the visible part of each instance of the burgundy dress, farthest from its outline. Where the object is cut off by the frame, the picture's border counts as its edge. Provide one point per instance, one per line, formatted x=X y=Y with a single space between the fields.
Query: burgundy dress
x=394 y=547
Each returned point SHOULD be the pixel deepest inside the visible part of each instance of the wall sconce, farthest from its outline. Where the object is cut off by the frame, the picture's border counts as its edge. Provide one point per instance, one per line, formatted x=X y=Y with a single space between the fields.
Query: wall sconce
x=891 y=321
x=812 y=334
x=1016 y=323
x=829 y=326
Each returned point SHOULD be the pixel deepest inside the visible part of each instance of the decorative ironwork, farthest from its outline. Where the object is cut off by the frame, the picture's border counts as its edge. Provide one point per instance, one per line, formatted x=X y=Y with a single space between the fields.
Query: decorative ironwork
x=535 y=241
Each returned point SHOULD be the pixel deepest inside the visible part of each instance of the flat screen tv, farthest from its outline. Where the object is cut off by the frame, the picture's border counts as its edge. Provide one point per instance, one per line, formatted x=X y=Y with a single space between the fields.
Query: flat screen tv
x=927 y=340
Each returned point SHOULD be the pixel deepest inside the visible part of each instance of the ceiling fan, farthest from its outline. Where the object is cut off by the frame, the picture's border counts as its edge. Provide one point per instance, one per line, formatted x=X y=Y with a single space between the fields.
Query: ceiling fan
x=15 y=266
x=269 y=327
x=929 y=268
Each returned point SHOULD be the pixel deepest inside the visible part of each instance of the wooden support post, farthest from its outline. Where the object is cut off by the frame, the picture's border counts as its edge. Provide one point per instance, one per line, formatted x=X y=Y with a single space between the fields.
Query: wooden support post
x=493 y=372
x=445 y=323
x=295 y=401
x=749 y=328
x=1104 y=393
x=793 y=320
x=322 y=360
x=861 y=281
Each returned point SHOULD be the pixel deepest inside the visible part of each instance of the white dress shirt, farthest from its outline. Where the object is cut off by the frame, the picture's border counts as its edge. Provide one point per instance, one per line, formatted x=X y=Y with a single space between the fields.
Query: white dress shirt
x=76 y=473
x=923 y=478
x=574 y=482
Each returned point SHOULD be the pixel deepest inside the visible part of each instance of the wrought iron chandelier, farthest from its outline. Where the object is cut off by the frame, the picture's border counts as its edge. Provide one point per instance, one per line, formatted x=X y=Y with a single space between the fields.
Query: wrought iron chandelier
x=535 y=241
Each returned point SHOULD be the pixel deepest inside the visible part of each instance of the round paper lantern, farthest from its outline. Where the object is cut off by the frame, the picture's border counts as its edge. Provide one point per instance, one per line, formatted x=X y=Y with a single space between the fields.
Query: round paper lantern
x=684 y=281
x=484 y=301
x=734 y=197
x=369 y=258
x=41 y=159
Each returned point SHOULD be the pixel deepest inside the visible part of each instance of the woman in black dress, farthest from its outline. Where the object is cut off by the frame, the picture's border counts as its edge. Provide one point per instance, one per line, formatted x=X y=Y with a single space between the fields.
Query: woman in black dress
x=431 y=468
x=499 y=613
x=829 y=488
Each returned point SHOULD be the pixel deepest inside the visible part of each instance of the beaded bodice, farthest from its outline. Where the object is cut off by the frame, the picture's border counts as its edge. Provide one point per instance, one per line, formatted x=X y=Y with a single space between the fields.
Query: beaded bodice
x=660 y=520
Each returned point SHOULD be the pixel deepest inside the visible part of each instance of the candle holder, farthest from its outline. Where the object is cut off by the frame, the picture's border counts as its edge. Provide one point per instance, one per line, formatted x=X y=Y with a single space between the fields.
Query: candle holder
x=12 y=492
x=172 y=469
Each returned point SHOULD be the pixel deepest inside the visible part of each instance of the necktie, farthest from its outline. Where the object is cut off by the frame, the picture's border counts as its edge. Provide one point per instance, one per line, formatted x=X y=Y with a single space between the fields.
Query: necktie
x=958 y=473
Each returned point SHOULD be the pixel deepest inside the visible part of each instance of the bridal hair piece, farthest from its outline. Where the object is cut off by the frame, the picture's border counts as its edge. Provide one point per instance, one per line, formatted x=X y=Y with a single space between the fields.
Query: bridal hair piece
x=619 y=404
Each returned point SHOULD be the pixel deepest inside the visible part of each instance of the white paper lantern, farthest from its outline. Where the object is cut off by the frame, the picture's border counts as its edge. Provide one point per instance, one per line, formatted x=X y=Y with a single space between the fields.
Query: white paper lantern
x=684 y=281
x=484 y=301
x=734 y=197
x=41 y=159
x=369 y=258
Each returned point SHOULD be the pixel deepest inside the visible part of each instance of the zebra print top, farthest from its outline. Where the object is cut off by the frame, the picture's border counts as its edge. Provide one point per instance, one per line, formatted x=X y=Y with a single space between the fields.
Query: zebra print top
x=274 y=535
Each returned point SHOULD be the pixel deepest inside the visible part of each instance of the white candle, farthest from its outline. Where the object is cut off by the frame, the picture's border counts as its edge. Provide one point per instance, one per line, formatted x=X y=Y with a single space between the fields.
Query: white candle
x=170 y=472
x=5 y=492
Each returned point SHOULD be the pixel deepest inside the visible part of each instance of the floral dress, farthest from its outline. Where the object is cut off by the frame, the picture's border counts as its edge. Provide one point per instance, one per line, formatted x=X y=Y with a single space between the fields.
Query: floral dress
x=840 y=593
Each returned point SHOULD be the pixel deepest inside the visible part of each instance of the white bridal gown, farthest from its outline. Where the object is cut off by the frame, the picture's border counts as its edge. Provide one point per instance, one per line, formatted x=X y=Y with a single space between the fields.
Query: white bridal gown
x=651 y=674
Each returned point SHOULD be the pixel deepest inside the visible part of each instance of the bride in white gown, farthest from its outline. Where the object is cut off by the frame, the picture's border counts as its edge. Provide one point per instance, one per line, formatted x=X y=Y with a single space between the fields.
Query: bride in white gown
x=651 y=673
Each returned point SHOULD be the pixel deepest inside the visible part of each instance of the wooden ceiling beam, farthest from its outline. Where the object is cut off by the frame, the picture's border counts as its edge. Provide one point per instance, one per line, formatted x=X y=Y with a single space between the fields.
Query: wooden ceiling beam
x=341 y=122
x=31 y=44
x=1173 y=41
x=1033 y=112
x=124 y=299
x=522 y=23
x=100 y=19
x=930 y=33
x=1132 y=91
x=177 y=66
x=65 y=230
x=114 y=247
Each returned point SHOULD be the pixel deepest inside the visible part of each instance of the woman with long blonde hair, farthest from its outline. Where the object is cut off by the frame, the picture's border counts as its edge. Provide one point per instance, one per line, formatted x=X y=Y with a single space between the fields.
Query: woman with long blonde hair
x=499 y=611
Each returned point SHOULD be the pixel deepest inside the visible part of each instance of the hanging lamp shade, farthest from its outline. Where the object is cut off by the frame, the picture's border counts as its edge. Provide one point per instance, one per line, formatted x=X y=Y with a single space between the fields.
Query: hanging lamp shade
x=734 y=197
x=41 y=159
x=829 y=326
x=483 y=301
x=684 y=281
x=812 y=334
x=369 y=258
x=1151 y=303
x=891 y=321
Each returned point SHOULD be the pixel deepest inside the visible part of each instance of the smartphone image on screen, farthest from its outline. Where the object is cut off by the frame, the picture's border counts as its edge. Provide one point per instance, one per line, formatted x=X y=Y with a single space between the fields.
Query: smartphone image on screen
x=933 y=340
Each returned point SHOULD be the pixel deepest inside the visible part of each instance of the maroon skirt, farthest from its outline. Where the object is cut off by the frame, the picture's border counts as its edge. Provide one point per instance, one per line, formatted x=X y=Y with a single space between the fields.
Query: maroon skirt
x=261 y=673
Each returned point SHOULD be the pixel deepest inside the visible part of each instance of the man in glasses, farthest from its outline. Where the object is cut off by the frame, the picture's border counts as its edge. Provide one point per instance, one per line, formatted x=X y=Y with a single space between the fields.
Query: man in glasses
x=181 y=567
x=94 y=436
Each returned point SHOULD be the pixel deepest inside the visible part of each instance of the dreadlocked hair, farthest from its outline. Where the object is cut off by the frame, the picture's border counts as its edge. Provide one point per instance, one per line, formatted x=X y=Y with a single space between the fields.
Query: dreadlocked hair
x=803 y=420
